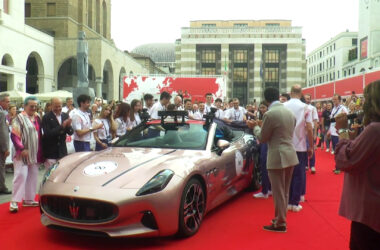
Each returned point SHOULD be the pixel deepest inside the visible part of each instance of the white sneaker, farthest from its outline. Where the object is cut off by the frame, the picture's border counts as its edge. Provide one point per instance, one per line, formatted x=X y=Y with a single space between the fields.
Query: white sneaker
x=261 y=195
x=302 y=199
x=327 y=150
x=13 y=207
x=297 y=208
x=270 y=193
x=313 y=170
x=332 y=152
x=290 y=207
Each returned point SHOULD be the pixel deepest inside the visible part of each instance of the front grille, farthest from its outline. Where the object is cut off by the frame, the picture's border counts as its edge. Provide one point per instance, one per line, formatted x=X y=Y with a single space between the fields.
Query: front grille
x=78 y=210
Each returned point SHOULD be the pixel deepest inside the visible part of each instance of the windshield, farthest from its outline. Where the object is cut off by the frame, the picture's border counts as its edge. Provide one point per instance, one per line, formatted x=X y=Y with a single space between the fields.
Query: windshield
x=185 y=136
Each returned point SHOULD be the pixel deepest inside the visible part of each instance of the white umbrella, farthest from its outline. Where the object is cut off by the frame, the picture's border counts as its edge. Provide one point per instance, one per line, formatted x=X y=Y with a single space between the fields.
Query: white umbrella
x=61 y=94
x=15 y=95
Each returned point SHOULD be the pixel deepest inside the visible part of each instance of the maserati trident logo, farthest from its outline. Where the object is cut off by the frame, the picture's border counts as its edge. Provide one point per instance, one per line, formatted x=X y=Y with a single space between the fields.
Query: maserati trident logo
x=74 y=210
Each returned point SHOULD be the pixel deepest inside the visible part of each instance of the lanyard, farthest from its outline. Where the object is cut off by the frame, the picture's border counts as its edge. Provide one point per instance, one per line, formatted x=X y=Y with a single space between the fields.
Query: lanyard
x=104 y=126
x=236 y=117
x=336 y=111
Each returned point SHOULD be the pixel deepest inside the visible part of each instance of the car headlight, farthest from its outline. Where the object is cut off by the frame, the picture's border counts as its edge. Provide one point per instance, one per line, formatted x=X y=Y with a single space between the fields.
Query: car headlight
x=157 y=183
x=49 y=172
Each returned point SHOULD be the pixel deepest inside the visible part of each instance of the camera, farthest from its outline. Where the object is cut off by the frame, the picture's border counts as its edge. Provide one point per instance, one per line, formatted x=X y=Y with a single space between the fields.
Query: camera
x=357 y=115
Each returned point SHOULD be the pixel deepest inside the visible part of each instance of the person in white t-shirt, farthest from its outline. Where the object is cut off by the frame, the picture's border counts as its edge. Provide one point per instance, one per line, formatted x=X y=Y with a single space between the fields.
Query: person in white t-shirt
x=219 y=112
x=188 y=106
x=198 y=115
x=148 y=100
x=302 y=130
x=208 y=104
x=134 y=116
x=159 y=106
x=69 y=105
x=337 y=109
x=104 y=135
x=236 y=113
x=178 y=103
x=315 y=120
x=82 y=125
x=123 y=123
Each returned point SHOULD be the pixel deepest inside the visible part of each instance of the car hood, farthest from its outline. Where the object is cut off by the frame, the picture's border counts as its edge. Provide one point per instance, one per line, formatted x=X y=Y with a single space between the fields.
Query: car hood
x=116 y=167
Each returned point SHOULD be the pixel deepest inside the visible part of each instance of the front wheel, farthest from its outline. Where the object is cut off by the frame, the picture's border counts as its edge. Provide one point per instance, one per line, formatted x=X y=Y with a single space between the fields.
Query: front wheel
x=192 y=208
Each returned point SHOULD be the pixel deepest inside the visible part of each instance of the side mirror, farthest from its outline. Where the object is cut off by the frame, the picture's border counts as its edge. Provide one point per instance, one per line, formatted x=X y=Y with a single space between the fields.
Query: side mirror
x=223 y=144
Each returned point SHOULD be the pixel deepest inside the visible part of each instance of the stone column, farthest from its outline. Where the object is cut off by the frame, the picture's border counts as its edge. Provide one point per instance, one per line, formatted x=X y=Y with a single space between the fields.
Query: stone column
x=99 y=82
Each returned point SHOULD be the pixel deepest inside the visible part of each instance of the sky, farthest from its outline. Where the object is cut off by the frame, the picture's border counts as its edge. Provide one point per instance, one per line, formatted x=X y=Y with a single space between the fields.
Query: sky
x=138 y=22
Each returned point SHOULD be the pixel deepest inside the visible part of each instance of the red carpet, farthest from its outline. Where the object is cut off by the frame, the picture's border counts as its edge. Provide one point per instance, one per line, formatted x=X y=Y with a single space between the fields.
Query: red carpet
x=234 y=225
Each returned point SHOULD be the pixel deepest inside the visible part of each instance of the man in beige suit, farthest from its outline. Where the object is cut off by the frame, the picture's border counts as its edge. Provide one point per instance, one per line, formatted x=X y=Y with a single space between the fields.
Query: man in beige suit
x=277 y=130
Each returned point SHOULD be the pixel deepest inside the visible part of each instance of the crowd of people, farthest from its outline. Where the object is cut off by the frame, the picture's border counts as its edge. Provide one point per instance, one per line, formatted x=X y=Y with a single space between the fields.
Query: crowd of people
x=289 y=129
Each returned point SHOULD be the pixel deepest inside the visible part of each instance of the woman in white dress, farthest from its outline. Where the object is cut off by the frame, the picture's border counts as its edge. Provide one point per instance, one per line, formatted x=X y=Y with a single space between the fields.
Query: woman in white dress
x=123 y=123
x=105 y=134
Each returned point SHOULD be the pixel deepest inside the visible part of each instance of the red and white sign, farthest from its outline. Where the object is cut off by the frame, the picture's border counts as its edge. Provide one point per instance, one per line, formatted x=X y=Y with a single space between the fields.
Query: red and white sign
x=136 y=86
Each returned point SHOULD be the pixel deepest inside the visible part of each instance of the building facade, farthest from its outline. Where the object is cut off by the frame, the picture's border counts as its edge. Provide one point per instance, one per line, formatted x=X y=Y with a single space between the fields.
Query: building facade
x=63 y=20
x=252 y=54
x=326 y=63
x=349 y=53
x=26 y=54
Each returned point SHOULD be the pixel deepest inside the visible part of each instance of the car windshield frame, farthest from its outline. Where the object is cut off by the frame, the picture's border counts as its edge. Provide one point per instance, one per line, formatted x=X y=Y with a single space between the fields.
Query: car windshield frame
x=171 y=128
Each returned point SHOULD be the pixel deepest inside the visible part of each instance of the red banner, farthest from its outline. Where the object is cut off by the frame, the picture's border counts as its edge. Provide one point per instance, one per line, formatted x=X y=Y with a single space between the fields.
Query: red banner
x=346 y=86
x=324 y=91
x=371 y=77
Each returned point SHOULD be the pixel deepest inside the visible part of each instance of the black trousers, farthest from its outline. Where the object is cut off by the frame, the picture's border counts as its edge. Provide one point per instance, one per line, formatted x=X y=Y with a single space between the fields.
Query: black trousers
x=363 y=237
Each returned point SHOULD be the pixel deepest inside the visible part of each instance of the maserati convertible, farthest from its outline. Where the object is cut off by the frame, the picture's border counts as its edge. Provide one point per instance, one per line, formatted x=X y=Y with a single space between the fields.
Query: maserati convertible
x=160 y=179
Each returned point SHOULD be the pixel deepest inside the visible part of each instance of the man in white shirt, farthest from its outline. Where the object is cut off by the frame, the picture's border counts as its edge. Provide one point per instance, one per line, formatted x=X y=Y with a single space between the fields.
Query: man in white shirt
x=189 y=108
x=208 y=104
x=148 y=102
x=337 y=109
x=158 y=106
x=178 y=103
x=82 y=125
x=219 y=112
x=236 y=113
x=69 y=105
x=303 y=127
x=314 y=117
x=199 y=114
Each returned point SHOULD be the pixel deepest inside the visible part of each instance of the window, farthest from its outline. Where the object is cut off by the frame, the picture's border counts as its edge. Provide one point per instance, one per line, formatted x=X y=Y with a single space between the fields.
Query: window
x=240 y=25
x=208 y=56
x=240 y=56
x=272 y=24
x=28 y=10
x=6 y=6
x=240 y=74
x=353 y=71
x=208 y=25
x=208 y=71
x=354 y=41
x=271 y=75
x=51 y=11
x=272 y=56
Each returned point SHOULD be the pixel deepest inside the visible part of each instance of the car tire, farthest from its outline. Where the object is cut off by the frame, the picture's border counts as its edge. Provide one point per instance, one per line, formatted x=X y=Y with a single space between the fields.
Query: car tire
x=192 y=208
x=255 y=182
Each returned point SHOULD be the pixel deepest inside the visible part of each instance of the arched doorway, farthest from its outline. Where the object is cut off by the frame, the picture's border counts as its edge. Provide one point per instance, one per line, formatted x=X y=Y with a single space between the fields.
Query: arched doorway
x=104 y=19
x=6 y=80
x=107 y=88
x=123 y=73
x=34 y=68
x=68 y=76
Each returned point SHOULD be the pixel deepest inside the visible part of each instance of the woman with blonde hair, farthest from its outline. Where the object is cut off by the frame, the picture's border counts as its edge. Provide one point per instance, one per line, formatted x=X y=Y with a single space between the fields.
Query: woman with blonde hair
x=105 y=134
